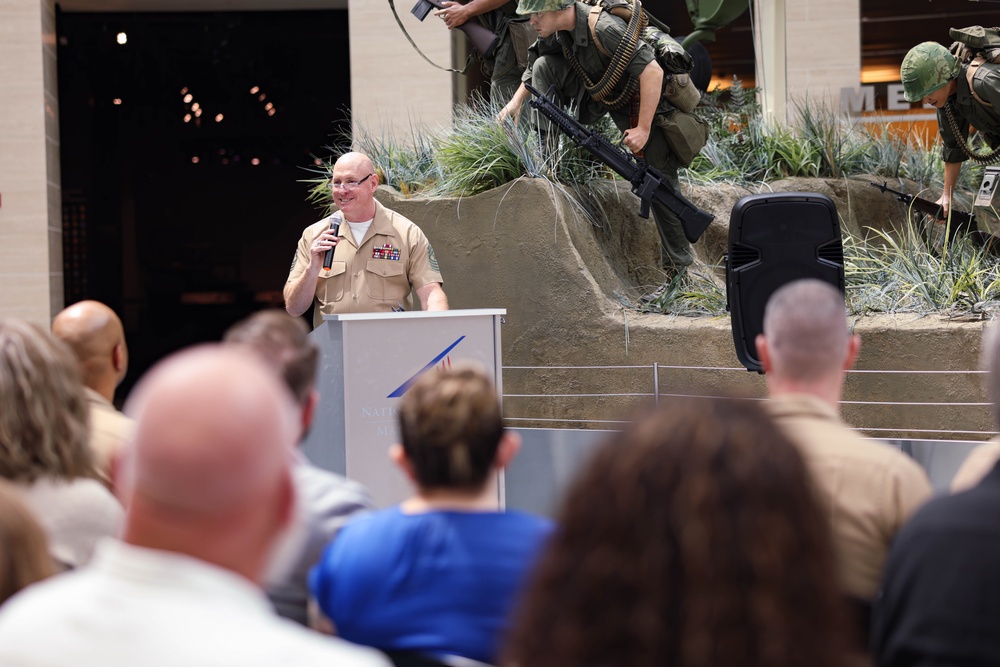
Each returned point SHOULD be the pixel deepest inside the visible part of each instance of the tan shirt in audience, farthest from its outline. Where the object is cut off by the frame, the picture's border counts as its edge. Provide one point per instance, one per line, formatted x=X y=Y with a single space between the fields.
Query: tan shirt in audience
x=976 y=465
x=109 y=431
x=870 y=489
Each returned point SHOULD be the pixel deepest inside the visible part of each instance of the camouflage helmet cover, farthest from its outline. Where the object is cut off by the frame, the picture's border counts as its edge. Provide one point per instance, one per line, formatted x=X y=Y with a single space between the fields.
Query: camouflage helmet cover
x=532 y=6
x=925 y=69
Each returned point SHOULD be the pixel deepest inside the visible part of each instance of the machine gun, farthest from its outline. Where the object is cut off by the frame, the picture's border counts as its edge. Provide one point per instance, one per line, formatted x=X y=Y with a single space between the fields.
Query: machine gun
x=483 y=39
x=960 y=221
x=648 y=183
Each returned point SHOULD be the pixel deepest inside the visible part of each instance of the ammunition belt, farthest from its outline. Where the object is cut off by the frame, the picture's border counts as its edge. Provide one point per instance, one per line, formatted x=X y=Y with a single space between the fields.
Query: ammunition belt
x=604 y=90
x=978 y=158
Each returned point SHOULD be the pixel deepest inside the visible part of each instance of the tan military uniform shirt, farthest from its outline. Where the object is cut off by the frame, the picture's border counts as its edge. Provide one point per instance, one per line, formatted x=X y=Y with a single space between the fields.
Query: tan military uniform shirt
x=869 y=489
x=372 y=275
x=976 y=465
x=109 y=431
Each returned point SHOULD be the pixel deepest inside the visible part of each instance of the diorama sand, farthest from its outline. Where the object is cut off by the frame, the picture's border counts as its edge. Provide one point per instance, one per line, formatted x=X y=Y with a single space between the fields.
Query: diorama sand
x=567 y=284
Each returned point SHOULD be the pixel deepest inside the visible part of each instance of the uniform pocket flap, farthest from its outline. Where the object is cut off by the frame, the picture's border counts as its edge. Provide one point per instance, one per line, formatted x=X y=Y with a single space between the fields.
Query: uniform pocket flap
x=385 y=268
x=336 y=268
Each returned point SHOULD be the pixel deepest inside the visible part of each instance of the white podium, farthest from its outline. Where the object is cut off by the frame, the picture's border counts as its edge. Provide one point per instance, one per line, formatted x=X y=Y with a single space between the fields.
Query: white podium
x=367 y=361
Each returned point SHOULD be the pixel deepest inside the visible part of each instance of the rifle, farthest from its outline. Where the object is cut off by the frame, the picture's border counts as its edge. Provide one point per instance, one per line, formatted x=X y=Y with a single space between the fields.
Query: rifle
x=482 y=38
x=960 y=222
x=648 y=183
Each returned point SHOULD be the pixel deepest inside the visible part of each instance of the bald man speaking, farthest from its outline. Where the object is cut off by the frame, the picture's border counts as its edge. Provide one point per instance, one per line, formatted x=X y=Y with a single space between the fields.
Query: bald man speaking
x=96 y=336
x=208 y=487
x=377 y=257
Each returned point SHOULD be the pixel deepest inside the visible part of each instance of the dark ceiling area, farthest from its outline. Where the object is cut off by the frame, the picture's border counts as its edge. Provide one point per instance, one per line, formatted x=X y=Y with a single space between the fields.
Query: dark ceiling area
x=183 y=144
x=889 y=28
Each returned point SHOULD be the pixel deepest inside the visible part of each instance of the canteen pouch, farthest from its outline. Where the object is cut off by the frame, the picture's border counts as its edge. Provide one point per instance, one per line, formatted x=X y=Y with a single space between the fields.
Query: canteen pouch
x=681 y=93
x=686 y=134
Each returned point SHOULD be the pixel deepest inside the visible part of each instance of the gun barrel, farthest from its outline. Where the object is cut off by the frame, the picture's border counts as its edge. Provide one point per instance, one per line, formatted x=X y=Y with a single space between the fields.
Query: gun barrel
x=646 y=182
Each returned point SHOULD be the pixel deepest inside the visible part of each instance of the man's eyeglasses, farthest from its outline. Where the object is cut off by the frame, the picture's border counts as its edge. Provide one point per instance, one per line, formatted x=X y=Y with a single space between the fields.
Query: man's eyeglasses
x=350 y=185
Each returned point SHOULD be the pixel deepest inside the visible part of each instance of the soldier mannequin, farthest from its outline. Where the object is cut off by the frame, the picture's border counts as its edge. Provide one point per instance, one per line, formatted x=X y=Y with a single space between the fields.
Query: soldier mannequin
x=562 y=24
x=495 y=15
x=930 y=73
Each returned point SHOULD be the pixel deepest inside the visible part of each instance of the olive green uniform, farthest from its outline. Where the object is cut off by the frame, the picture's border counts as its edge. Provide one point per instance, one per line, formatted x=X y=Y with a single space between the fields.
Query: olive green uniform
x=547 y=66
x=968 y=111
x=506 y=74
x=371 y=276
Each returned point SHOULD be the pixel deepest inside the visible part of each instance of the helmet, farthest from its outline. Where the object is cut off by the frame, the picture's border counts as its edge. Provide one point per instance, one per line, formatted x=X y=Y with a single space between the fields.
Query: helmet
x=926 y=68
x=532 y=6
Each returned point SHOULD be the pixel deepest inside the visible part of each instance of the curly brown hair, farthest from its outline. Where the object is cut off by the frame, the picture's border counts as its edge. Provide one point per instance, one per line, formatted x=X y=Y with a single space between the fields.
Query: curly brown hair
x=693 y=538
x=45 y=416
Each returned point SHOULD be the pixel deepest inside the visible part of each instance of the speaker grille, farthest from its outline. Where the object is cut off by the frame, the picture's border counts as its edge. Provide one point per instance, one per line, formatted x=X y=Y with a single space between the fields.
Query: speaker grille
x=741 y=255
x=832 y=251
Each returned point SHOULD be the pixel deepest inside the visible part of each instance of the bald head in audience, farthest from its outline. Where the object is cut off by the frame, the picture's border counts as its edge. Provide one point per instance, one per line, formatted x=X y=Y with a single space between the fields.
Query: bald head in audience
x=95 y=334
x=208 y=474
x=806 y=345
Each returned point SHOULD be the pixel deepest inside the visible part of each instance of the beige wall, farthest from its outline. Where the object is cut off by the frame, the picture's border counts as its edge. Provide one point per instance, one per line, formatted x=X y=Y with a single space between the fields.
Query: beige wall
x=31 y=280
x=392 y=87
x=823 y=49
x=807 y=50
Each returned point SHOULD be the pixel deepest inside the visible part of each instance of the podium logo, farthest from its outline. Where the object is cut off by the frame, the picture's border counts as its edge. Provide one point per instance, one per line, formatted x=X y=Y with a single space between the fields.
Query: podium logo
x=441 y=359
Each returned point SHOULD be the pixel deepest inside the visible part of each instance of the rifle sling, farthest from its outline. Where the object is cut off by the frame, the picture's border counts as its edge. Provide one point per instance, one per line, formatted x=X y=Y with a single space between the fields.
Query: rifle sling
x=392 y=6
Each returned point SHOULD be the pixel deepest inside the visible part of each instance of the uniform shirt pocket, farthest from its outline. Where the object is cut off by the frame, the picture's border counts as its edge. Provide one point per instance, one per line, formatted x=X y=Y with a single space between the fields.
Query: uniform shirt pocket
x=331 y=283
x=387 y=280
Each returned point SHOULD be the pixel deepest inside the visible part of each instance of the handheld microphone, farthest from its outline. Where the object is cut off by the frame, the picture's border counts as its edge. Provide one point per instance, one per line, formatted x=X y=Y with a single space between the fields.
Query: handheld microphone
x=335 y=226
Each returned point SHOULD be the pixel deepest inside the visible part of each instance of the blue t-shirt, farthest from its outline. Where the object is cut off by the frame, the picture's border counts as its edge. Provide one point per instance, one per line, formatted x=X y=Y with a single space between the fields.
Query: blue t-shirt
x=437 y=582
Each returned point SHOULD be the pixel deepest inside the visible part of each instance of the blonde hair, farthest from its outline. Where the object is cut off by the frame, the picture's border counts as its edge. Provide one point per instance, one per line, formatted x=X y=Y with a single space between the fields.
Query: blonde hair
x=24 y=553
x=45 y=416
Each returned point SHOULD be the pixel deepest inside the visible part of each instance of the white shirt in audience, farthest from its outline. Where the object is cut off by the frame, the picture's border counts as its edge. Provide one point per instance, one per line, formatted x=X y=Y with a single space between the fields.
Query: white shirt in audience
x=75 y=515
x=136 y=606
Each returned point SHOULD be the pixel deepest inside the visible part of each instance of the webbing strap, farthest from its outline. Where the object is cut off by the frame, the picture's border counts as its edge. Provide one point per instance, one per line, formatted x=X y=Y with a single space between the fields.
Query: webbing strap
x=970 y=75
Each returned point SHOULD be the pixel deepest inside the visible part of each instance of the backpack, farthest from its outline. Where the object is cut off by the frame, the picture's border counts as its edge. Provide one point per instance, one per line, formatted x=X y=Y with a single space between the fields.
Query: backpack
x=975 y=46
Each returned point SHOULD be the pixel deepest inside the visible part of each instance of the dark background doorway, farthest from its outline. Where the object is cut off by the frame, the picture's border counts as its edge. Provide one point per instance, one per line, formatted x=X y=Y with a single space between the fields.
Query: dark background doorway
x=182 y=213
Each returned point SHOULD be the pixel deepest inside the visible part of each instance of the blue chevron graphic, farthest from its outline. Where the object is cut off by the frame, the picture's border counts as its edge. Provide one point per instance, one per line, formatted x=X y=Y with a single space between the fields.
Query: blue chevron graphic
x=401 y=389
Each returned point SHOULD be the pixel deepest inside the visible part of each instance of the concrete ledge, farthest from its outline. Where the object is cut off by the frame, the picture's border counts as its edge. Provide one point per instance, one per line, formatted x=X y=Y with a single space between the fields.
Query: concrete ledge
x=562 y=279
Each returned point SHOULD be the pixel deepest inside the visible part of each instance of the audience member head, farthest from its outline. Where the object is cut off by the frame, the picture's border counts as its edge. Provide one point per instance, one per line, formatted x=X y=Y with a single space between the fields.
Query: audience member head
x=44 y=415
x=95 y=335
x=989 y=361
x=208 y=472
x=282 y=341
x=806 y=342
x=24 y=553
x=452 y=431
x=692 y=538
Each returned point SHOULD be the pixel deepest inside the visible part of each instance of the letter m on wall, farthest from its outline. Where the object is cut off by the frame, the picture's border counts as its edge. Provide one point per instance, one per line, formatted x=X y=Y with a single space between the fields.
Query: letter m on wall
x=856 y=101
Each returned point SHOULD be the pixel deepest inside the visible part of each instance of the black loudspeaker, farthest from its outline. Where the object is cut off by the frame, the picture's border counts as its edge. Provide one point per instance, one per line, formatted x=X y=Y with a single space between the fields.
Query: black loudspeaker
x=775 y=239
